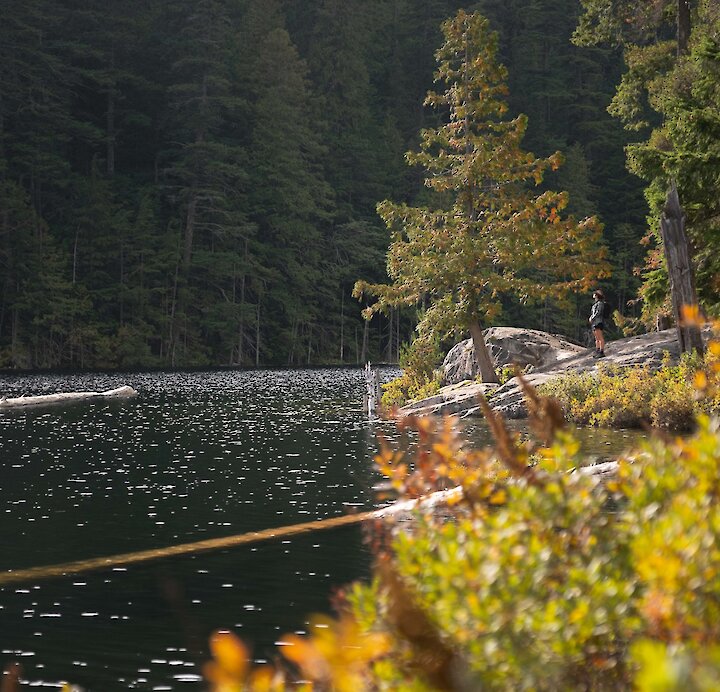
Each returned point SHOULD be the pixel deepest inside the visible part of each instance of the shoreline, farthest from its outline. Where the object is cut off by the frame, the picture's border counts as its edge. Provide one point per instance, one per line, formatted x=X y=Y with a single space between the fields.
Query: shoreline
x=462 y=399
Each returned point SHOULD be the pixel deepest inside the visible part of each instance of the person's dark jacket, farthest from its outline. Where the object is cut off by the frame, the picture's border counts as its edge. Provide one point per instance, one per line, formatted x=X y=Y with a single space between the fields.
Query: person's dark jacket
x=597 y=314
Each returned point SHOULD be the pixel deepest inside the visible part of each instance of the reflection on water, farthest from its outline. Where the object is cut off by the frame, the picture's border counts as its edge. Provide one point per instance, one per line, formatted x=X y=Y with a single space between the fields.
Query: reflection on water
x=597 y=444
x=194 y=456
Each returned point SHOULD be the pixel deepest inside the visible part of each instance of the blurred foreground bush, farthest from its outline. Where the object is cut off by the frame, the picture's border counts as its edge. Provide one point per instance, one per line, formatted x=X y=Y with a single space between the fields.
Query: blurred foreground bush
x=538 y=577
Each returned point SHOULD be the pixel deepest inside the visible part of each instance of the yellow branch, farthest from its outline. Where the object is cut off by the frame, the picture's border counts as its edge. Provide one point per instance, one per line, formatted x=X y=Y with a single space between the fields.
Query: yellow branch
x=397 y=508
x=60 y=570
x=47 y=572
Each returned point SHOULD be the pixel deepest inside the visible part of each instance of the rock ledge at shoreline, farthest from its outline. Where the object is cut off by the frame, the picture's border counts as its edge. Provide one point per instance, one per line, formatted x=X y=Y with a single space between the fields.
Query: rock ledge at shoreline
x=461 y=398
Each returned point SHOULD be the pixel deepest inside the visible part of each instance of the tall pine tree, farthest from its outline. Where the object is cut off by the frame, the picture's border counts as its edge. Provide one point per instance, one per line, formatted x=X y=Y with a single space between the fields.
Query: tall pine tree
x=488 y=233
x=205 y=173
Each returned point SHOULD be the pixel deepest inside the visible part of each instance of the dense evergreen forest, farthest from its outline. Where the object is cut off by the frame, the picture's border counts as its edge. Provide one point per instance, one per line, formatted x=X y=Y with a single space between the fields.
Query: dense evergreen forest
x=195 y=182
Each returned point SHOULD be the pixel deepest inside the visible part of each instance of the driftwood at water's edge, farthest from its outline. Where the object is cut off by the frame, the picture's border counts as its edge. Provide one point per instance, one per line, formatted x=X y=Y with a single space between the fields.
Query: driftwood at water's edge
x=124 y=392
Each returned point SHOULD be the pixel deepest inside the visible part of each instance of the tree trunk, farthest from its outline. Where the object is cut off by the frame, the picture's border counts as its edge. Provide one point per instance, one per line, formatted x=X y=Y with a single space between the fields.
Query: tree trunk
x=121 y=296
x=8 y=255
x=257 y=335
x=309 y=349
x=190 y=228
x=482 y=355
x=397 y=336
x=364 y=349
x=14 y=341
x=683 y=26
x=110 y=146
x=342 y=325
x=470 y=204
x=174 y=331
x=293 y=338
x=241 y=324
x=391 y=338
x=680 y=270
x=110 y=119
x=75 y=253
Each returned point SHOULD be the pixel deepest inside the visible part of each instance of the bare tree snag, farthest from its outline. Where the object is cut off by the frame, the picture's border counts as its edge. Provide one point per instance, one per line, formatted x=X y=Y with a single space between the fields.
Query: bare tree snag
x=680 y=270
x=482 y=355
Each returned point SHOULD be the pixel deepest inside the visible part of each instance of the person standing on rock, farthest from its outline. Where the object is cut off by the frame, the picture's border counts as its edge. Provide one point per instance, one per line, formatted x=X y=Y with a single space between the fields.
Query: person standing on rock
x=597 y=318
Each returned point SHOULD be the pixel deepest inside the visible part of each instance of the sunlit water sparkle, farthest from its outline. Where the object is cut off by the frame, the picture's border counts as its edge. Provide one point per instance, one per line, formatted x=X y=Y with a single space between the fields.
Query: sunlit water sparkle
x=196 y=455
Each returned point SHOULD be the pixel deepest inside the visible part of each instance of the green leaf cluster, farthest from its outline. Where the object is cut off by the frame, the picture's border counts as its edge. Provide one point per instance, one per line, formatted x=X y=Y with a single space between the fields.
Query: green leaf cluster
x=420 y=361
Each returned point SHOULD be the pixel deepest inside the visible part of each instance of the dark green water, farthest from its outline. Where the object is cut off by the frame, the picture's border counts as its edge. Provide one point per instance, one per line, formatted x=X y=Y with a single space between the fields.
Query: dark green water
x=194 y=456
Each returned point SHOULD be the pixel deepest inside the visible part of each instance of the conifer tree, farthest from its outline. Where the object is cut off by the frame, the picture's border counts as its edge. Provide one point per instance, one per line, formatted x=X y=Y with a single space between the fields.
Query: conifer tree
x=338 y=65
x=564 y=89
x=684 y=149
x=109 y=56
x=290 y=201
x=206 y=172
x=488 y=233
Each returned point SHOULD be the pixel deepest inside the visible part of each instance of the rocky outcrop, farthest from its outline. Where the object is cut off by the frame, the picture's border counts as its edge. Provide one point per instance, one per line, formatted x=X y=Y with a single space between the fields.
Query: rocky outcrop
x=508 y=345
x=460 y=364
x=462 y=398
x=455 y=398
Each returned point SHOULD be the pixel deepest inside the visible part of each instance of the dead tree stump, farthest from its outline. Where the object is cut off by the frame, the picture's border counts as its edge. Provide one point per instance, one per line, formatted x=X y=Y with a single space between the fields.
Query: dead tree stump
x=371 y=399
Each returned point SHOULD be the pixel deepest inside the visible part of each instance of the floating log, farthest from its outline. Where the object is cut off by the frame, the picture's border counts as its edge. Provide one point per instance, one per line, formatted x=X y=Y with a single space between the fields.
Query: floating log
x=600 y=470
x=124 y=392
x=60 y=570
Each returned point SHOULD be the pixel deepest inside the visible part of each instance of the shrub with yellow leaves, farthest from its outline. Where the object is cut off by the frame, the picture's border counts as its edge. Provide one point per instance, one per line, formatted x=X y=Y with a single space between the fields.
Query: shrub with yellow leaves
x=670 y=398
x=230 y=669
x=543 y=578
x=336 y=656
x=420 y=378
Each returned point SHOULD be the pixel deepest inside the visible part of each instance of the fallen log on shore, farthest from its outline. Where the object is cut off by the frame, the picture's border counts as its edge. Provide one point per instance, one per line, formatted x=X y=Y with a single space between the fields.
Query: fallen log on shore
x=124 y=392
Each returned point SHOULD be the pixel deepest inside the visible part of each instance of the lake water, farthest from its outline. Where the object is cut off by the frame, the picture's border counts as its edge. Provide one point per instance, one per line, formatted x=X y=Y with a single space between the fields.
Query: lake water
x=196 y=455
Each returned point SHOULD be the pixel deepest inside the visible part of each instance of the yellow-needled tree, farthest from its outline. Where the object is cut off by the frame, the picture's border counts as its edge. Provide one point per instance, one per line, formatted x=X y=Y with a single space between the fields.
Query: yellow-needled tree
x=490 y=231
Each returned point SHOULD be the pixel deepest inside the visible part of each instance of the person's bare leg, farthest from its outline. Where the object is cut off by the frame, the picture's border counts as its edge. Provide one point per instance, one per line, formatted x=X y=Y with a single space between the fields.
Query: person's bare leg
x=600 y=339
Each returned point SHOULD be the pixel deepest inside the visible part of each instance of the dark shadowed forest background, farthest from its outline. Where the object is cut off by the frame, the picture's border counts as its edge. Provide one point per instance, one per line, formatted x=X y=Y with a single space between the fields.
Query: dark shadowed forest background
x=195 y=182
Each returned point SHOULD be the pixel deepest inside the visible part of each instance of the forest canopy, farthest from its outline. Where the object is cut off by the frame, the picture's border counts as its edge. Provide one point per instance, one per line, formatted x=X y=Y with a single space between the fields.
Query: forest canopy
x=195 y=183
